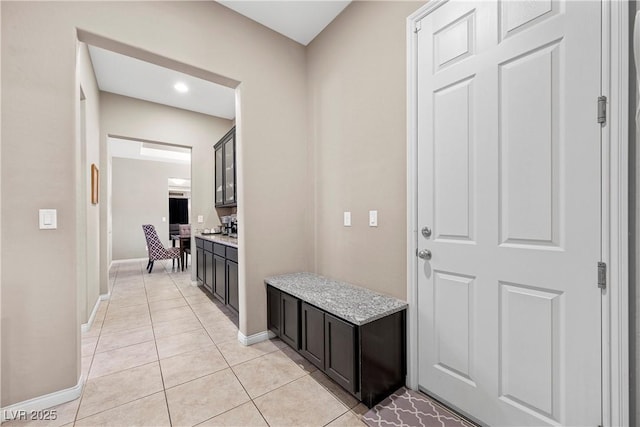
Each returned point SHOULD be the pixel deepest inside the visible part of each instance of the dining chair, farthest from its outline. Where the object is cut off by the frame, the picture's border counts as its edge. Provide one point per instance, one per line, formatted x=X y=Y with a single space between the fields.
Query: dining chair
x=156 y=249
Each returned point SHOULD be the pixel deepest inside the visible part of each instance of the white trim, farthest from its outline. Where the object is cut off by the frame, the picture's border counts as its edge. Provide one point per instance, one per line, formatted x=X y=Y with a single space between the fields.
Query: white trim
x=123 y=261
x=86 y=326
x=255 y=338
x=615 y=320
x=412 y=192
x=615 y=392
x=46 y=401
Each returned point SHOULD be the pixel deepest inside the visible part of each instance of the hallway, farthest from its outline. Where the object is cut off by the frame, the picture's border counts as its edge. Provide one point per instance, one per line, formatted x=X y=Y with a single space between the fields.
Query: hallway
x=160 y=352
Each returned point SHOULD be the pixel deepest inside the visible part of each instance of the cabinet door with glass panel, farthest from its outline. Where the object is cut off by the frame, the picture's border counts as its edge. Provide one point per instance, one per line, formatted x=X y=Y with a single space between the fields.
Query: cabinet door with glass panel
x=225 y=170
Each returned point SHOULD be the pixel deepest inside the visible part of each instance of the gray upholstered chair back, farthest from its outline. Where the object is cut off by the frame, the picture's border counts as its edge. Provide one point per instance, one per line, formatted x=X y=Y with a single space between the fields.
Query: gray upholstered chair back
x=185 y=229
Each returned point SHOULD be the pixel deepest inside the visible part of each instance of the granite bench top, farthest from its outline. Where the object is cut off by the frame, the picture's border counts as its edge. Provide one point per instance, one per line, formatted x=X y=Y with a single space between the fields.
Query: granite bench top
x=219 y=238
x=349 y=302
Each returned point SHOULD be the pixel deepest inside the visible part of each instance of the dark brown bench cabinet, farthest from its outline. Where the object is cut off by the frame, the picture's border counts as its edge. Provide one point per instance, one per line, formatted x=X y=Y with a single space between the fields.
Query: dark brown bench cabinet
x=366 y=356
x=217 y=270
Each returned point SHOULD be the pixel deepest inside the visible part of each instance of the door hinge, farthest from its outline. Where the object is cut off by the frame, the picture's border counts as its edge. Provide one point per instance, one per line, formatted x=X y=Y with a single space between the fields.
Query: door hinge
x=602 y=110
x=418 y=27
x=602 y=275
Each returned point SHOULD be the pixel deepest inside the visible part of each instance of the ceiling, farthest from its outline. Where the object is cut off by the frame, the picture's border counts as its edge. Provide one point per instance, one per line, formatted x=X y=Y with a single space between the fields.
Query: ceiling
x=300 y=20
x=132 y=77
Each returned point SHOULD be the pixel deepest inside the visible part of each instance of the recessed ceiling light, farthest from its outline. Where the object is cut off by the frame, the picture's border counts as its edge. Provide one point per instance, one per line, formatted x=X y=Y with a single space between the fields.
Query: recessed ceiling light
x=181 y=87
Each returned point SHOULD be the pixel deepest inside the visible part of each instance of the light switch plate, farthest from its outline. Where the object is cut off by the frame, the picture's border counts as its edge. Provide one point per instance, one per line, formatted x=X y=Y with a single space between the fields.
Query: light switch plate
x=347 y=219
x=48 y=219
x=373 y=218
x=164 y=219
x=200 y=219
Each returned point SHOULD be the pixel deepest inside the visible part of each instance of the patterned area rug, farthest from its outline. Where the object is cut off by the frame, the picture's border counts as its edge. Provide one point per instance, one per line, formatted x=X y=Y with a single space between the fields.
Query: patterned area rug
x=408 y=408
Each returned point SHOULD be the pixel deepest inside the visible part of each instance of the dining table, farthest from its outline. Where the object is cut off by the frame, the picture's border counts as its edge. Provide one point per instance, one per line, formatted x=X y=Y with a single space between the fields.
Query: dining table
x=185 y=242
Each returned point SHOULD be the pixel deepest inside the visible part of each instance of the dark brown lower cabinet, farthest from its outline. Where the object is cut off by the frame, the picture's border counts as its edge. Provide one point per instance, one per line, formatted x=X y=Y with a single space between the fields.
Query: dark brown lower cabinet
x=369 y=361
x=383 y=357
x=217 y=271
x=339 y=352
x=208 y=271
x=289 y=324
x=232 y=285
x=200 y=264
x=273 y=310
x=312 y=323
x=219 y=282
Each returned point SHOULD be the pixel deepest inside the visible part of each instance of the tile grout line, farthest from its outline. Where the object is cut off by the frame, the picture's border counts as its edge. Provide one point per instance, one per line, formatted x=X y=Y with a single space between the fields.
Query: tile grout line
x=123 y=347
x=221 y=354
x=230 y=369
x=108 y=301
x=223 y=358
x=114 y=333
x=125 y=403
x=155 y=343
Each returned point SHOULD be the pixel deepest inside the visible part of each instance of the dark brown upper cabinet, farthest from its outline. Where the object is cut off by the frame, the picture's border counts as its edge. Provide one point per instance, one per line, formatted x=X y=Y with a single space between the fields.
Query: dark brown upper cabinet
x=225 y=190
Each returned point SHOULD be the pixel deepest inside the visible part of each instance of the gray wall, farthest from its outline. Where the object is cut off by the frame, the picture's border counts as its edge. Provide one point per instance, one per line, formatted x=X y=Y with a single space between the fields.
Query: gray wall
x=358 y=144
x=39 y=148
x=141 y=196
x=88 y=221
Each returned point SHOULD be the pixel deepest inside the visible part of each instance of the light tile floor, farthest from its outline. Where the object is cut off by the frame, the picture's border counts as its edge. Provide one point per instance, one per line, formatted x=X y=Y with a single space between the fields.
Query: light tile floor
x=161 y=352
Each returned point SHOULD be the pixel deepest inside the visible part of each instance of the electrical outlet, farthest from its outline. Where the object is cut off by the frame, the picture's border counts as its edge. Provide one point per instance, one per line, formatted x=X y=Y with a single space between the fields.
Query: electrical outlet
x=347 y=219
x=200 y=219
x=373 y=218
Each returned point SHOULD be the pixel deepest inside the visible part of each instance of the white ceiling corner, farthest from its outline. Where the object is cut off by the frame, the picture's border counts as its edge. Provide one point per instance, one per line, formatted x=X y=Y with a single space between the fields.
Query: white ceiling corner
x=300 y=20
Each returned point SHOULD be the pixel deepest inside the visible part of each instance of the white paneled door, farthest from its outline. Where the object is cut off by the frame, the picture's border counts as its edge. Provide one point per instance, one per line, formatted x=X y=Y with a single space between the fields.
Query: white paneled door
x=509 y=163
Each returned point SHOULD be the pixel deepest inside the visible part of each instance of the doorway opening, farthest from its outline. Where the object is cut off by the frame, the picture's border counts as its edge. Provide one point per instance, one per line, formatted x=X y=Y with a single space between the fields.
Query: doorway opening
x=170 y=108
x=150 y=184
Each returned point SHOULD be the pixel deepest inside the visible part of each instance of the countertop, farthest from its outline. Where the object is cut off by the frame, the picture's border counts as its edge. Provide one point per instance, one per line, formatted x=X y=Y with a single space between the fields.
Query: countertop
x=349 y=302
x=219 y=238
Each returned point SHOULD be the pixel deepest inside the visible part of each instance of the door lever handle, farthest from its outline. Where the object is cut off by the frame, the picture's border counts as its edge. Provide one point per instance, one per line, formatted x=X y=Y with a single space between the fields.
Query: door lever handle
x=424 y=254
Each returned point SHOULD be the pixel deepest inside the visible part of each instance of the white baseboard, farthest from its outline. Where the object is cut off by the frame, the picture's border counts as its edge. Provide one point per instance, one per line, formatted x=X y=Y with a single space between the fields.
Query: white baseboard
x=123 y=261
x=86 y=326
x=43 y=402
x=255 y=338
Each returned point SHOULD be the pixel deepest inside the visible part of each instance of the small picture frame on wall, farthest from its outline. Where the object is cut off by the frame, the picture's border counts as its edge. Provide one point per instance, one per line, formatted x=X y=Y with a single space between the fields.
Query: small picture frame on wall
x=95 y=176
